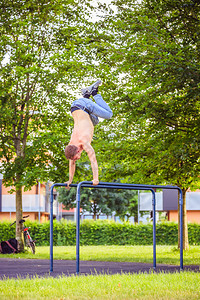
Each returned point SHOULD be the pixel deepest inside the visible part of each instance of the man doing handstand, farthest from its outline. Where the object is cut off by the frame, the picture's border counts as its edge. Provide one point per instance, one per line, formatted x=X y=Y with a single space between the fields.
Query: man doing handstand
x=85 y=113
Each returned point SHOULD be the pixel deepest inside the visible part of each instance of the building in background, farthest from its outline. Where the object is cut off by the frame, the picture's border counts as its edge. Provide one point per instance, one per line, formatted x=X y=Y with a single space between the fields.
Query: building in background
x=167 y=203
x=35 y=202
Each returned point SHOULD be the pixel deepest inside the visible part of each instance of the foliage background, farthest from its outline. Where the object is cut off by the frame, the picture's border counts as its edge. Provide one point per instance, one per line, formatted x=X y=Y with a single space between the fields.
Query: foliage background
x=124 y=203
x=147 y=55
x=103 y=233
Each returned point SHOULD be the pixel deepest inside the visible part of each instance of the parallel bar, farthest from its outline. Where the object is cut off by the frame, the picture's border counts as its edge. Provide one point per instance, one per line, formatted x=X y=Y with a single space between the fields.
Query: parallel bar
x=114 y=185
x=161 y=187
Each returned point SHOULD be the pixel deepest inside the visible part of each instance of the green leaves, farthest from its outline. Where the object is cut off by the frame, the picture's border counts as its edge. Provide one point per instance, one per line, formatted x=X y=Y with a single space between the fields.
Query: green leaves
x=43 y=46
x=97 y=201
x=155 y=90
x=103 y=233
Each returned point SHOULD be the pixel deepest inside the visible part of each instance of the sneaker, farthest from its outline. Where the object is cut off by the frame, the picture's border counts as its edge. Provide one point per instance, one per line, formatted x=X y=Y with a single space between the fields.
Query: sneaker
x=90 y=90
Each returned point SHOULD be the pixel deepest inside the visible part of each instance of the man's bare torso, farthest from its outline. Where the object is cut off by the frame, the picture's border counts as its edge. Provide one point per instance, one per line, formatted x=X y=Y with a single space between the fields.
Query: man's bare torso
x=83 y=128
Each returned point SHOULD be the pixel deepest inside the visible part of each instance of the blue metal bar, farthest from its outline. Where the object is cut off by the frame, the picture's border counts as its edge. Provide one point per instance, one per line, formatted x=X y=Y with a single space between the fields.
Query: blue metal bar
x=78 y=200
x=181 y=227
x=161 y=187
x=114 y=185
x=137 y=185
x=154 y=227
x=51 y=228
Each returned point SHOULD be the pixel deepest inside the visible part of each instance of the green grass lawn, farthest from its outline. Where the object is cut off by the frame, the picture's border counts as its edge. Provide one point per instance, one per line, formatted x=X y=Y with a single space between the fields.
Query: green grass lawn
x=165 y=254
x=137 y=286
x=184 y=285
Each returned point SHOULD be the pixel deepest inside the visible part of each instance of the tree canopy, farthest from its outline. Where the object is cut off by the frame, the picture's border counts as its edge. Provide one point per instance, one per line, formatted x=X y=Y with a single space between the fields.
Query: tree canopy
x=42 y=51
x=152 y=50
x=147 y=55
x=102 y=201
x=155 y=58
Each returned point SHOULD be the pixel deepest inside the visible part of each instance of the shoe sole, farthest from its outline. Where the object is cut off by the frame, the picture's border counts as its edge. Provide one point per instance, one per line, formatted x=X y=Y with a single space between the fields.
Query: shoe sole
x=91 y=87
x=94 y=85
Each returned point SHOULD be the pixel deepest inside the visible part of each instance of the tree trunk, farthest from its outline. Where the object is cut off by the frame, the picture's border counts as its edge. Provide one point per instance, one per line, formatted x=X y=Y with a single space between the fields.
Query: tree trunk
x=185 y=225
x=19 y=215
x=136 y=218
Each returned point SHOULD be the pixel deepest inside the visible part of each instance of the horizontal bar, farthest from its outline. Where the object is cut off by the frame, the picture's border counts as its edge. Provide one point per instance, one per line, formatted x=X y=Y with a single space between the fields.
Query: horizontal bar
x=101 y=186
x=83 y=183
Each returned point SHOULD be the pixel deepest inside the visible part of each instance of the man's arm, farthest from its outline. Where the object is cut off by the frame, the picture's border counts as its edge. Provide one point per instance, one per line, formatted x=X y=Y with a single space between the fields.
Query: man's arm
x=92 y=157
x=72 y=167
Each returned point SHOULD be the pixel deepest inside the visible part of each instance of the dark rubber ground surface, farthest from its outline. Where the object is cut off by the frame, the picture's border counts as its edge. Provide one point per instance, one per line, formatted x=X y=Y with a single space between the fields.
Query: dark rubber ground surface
x=20 y=268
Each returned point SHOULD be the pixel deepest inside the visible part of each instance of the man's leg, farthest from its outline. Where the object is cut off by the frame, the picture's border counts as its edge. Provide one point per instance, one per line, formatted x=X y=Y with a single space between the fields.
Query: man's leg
x=101 y=108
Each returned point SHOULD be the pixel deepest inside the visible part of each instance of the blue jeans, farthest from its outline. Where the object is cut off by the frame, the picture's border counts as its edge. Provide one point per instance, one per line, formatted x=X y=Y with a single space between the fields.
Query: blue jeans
x=98 y=109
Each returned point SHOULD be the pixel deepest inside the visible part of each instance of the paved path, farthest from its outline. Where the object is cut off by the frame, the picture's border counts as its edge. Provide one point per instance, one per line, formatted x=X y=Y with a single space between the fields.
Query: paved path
x=20 y=268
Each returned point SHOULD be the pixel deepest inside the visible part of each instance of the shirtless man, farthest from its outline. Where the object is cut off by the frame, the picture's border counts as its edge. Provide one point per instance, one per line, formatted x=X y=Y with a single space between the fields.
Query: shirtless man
x=85 y=113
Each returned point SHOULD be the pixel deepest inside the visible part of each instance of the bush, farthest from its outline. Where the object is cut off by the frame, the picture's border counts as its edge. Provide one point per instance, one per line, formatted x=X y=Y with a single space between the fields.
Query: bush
x=103 y=233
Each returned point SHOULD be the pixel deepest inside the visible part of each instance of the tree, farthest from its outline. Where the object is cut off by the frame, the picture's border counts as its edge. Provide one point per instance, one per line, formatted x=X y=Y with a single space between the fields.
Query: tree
x=41 y=54
x=93 y=201
x=154 y=57
x=97 y=201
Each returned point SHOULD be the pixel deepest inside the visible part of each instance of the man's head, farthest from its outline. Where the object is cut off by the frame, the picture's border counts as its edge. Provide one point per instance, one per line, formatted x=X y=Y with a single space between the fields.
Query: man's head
x=72 y=152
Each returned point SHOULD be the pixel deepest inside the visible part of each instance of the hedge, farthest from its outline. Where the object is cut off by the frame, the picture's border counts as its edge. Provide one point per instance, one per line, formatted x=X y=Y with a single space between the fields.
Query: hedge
x=103 y=233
